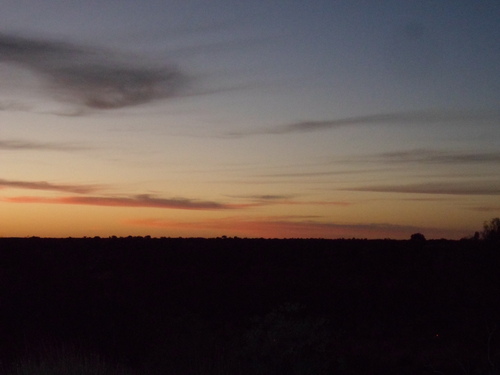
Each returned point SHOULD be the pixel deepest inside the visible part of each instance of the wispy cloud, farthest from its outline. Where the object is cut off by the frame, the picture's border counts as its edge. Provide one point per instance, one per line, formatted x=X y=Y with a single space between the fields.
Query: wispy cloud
x=322 y=173
x=89 y=77
x=427 y=156
x=143 y=200
x=486 y=208
x=14 y=106
x=448 y=188
x=15 y=144
x=264 y=199
x=414 y=117
x=429 y=199
x=282 y=227
x=269 y=199
x=44 y=185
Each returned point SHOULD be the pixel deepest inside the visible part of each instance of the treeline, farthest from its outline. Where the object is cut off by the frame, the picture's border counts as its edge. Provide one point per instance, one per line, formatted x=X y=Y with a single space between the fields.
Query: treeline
x=254 y=306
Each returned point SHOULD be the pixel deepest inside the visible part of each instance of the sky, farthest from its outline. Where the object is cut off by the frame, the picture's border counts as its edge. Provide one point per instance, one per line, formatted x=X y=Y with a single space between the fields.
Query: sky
x=274 y=119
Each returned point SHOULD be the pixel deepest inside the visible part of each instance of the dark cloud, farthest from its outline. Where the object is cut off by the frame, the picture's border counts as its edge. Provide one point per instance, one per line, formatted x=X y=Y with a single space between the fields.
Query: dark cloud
x=43 y=185
x=91 y=78
x=416 y=117
x=13 y=144
x=134 y=201
x=448 y=188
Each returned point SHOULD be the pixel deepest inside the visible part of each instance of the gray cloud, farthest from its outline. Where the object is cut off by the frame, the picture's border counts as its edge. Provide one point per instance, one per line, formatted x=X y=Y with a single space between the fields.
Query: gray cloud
x=91 y=78
x=448 y=188
x=14 y=144
x=44 y=185
x=416 y=117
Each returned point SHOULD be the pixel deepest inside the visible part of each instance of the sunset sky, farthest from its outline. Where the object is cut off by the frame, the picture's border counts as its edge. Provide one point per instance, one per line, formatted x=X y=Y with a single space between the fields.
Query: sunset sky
x=197 y=118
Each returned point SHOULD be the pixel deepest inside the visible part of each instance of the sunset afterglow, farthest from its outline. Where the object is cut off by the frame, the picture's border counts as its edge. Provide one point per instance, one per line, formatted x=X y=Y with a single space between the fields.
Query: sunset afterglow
x=281 y=119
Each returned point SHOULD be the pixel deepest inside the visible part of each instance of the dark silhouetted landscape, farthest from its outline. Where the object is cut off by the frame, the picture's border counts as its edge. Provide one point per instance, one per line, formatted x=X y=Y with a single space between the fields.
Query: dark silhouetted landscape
x=142 y=305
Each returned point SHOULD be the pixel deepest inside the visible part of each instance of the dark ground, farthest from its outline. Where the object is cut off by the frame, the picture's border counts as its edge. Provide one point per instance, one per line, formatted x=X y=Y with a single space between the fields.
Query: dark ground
x=252 y=306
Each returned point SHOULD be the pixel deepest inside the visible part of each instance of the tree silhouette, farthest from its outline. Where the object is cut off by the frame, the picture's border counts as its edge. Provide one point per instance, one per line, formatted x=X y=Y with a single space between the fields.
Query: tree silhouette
x=417 y=237
x=491 y=230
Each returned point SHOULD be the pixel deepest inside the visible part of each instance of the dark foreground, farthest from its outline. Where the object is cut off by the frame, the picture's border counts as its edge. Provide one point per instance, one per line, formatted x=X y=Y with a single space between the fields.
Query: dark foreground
x=237 y=306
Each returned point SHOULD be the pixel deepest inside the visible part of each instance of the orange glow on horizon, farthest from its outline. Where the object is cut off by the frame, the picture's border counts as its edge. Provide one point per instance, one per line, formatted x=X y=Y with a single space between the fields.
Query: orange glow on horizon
x=270 y=227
